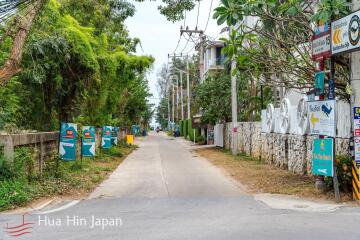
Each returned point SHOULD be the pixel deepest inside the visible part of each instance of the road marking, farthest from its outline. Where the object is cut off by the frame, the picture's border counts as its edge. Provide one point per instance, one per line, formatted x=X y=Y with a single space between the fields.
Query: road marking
x=70 y=204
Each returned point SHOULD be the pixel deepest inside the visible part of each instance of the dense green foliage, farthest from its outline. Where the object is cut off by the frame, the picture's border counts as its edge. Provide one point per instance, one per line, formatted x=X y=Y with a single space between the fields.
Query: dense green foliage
x=78 y=66
x=213 y=97
x=267 y=52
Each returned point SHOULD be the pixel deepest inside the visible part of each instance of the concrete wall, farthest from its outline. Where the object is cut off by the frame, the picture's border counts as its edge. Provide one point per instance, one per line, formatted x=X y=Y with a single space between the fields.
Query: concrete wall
x=286 y=151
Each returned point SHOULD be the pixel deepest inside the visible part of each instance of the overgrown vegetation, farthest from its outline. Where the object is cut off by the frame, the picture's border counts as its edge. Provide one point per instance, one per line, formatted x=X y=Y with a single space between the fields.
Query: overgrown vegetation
x=21 y=183
x=79 y=65
x=268 y=53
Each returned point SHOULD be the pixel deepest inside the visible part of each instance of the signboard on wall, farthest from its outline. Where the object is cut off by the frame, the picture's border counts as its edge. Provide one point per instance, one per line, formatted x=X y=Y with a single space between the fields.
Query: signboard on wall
x=88 y=141
x=345 y=33
x=321 y=46
x=321 y=116
x=114 y=136
x=357 y=134
x=106 y=137
x=67 y=143
x=323 y=157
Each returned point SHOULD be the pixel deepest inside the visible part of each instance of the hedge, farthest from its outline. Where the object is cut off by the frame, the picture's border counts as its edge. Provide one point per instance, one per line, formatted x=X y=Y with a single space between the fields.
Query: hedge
x=191 y=130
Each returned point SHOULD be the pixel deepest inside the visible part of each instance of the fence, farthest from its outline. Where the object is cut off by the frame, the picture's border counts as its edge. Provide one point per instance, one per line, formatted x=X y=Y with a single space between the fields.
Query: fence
x=45 y=144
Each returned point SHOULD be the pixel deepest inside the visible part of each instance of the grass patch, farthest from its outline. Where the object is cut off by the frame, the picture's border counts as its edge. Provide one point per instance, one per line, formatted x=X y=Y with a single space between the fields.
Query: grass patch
x=259 y=177
x=58 y=178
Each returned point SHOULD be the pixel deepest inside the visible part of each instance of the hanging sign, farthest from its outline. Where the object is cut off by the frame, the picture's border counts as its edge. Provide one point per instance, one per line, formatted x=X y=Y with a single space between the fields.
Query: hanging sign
x=114 y=137
x=106 y=137
x=67 y=144
x=321 y=116
x=323 y=157
x=88 y=141
x=345 y=33
x=331 y=93
x=321 y=46
x=319 y=82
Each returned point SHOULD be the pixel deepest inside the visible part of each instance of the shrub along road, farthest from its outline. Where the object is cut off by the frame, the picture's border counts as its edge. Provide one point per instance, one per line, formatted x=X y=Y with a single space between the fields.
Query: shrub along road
x=164 y=191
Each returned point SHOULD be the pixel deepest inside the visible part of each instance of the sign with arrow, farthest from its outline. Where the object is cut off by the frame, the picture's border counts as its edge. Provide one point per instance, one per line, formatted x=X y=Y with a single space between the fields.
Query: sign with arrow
x=322 y=118
x=345 y=33
x=323 y=157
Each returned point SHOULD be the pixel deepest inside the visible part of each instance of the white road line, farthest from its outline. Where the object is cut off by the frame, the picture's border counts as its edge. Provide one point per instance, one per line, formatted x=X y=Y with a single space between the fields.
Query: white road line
x=70 y=204
x=42 y=206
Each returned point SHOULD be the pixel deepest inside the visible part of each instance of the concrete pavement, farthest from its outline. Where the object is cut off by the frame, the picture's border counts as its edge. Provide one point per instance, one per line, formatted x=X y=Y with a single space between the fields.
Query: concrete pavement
x=164 y=191
x=164 y=167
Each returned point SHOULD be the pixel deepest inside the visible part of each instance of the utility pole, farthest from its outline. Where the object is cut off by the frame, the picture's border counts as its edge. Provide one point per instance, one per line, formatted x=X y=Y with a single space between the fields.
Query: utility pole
x=177 y=99
x=181 y=96
x=200 y=45
x=188 y=87
x=234 y=116
x=234 y=109
x=173 y=106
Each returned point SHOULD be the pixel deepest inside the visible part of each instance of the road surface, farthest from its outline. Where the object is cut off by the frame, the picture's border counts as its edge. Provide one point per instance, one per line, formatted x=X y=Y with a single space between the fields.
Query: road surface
x=164 y=191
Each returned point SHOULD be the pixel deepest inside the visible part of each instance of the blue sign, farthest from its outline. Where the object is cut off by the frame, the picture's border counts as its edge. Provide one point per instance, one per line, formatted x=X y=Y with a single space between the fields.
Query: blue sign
x=67 y=144
x=331 y=94
x=88 y=141
x=106 y=137
x=114 y=137
x=356 y=112
x=323 y=157
x=319 y=83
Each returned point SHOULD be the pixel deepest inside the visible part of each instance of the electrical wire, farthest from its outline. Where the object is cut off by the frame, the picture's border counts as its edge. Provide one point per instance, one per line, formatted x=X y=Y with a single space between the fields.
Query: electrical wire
x=187 y=42
x=8 y=10
x=178 y=43
x=207 y=22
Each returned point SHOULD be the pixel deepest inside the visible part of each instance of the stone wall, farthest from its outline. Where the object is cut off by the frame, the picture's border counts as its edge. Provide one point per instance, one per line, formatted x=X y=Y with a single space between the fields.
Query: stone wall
x=286 y=151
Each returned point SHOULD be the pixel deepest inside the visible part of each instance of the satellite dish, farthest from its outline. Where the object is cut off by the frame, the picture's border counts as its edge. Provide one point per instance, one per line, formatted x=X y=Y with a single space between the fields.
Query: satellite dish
x=270 y=123
x=302 y=116
x=285 y=116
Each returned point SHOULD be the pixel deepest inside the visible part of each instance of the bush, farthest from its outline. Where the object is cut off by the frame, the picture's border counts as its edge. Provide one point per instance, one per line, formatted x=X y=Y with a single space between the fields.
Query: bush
x=186 y=132
x=6 y=171
x=200 y=139
x=181 y=123
x=21 y=167
x=343 y=170
x=14 y=192
x=191 y=131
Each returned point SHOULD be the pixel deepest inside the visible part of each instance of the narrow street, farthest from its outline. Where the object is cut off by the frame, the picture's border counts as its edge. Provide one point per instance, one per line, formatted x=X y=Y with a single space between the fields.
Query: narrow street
x=164 y=191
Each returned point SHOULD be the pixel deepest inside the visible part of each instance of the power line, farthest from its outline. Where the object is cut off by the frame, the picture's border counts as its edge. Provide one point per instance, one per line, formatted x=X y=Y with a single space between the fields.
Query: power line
x=207 y=22
x=178 y=43
x=7 y=10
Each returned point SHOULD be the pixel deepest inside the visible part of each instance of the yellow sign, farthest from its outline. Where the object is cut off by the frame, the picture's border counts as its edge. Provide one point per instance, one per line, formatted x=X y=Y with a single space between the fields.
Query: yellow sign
x=336 y=36
x=314 y=119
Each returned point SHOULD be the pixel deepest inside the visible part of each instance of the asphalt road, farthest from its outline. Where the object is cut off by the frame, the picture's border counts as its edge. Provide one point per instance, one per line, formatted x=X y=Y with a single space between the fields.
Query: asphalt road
x=164 y=191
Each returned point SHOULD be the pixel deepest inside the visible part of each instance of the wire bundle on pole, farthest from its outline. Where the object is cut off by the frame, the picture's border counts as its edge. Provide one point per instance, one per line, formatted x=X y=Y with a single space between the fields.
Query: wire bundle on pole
x=9 y=8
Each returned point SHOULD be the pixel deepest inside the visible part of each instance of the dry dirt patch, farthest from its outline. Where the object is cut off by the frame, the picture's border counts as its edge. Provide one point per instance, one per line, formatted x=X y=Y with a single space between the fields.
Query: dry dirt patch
x=260 y=177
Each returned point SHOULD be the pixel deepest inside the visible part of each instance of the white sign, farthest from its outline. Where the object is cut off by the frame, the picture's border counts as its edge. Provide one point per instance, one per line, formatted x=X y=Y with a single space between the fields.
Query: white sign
x=357 y=149
x=321 y=47
x=345 y=33
x=321 y=116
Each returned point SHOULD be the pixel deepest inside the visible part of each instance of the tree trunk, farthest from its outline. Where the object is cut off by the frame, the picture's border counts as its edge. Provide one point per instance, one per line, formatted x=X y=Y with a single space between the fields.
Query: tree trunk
x=12 y=65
